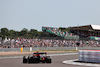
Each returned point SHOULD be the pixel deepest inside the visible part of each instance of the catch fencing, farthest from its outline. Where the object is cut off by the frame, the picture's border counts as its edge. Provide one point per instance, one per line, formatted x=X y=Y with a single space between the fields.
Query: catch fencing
x=48 y=49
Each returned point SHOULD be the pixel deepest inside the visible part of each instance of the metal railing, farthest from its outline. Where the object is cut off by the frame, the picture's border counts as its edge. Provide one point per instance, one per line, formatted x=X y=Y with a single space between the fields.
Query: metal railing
x=48 y=49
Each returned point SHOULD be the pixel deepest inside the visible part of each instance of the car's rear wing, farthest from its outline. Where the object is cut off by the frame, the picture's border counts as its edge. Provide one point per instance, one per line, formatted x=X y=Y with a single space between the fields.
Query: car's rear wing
x=40 y=53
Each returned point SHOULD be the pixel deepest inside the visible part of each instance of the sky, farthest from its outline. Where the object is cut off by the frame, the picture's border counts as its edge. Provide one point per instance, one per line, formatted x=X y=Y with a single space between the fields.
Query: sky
x=33 y=14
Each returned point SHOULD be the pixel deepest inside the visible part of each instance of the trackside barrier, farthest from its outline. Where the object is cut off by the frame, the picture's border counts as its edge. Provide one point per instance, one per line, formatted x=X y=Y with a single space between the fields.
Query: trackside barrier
x=21 y=49
x=30 y=48
x=47 y=48
x=76 y=48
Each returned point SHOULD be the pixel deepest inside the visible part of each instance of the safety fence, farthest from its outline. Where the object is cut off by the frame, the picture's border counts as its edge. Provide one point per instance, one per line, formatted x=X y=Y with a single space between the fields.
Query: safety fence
x=47 y=48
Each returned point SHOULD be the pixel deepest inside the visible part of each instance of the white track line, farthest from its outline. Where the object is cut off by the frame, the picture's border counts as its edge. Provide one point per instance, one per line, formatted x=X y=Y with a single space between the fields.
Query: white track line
x=82 y=64
x=10 y=57
x=61 y=54
x=47 y=55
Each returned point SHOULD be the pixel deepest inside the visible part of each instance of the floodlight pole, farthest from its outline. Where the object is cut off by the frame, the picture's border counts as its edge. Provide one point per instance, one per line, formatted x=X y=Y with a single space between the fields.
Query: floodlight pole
x=78 y=39
x=10 y=39
x=98 y=33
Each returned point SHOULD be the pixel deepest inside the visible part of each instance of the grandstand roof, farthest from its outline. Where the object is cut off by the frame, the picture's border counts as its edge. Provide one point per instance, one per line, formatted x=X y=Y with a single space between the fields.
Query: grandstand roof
x=96 y=27
x=88 y=27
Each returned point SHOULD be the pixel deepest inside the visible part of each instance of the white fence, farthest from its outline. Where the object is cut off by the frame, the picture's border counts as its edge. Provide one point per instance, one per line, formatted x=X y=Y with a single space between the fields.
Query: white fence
x=48 y=48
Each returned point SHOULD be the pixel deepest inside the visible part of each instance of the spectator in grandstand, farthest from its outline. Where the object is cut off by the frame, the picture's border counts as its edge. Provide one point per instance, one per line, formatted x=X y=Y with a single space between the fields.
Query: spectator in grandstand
x=16 y=43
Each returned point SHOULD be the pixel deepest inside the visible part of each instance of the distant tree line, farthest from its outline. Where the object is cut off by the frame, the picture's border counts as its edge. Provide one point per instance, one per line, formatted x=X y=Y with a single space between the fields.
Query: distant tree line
x=24 y=33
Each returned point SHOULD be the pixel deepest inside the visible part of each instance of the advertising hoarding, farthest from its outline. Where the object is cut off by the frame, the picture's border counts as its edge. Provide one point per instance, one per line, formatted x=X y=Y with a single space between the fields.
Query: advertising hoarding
x=89 y=56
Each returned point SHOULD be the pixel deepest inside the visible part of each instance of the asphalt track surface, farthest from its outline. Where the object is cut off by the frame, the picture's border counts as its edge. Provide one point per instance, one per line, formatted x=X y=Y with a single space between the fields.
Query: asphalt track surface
x=57 y=61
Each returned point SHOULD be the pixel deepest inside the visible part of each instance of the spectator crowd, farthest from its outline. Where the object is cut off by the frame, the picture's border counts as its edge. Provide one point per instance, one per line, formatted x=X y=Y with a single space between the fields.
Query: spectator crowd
x=57 y=31
x=25 y=42
x=61 y=33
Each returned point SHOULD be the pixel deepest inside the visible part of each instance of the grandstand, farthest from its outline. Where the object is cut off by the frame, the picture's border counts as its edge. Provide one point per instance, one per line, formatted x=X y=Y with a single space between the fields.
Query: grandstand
x=84 y=32
x=59 y=33
x=87 y=31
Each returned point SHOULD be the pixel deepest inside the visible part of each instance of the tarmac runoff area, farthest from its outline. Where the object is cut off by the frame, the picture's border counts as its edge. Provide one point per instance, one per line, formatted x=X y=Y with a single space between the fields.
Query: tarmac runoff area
x=3 y=54
x=81 y=64
x=65 y=59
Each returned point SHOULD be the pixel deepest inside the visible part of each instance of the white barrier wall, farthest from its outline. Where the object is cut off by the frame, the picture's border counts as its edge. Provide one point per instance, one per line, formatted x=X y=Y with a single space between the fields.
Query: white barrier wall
x=48 y=48
x=89 y=56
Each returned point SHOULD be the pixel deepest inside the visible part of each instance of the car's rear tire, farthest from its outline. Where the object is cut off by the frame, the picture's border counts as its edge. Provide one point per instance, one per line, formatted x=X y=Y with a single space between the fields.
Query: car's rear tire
x=24 y=59
x=48 y=61
x=28 y=60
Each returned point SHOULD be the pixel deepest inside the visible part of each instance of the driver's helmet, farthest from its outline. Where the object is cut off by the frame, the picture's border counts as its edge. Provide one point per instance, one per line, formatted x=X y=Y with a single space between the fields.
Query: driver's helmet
x=45 y=54
x=37 y=54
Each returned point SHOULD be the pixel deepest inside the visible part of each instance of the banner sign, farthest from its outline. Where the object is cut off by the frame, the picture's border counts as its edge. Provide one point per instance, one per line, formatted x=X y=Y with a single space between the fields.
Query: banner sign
x=95 y=38
x=89 y=56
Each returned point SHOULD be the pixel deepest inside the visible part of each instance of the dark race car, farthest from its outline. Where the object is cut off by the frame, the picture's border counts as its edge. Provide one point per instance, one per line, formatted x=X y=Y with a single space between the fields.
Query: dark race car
x=37 y=58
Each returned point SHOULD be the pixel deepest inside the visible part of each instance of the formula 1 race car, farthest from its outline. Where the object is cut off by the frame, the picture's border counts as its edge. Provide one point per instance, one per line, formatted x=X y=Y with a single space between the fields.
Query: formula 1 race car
x=37 y=58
